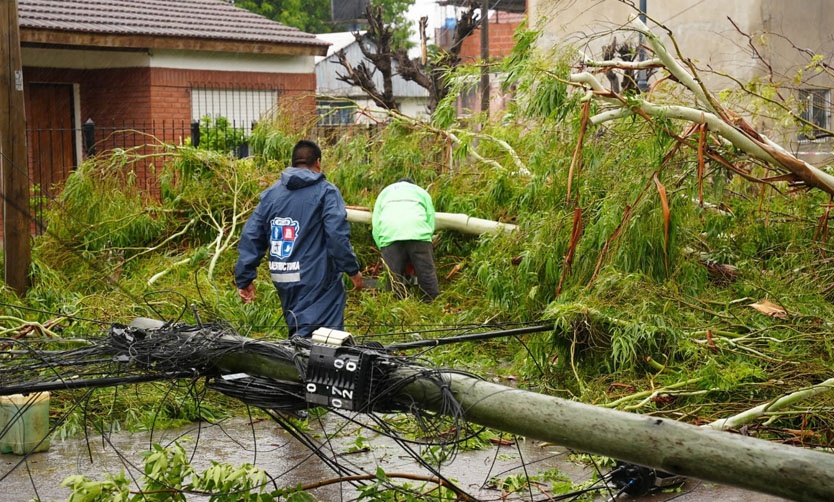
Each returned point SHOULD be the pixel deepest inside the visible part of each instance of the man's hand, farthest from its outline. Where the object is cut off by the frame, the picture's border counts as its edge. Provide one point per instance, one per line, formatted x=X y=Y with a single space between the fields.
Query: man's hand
x=358 y=281
x=247 y=294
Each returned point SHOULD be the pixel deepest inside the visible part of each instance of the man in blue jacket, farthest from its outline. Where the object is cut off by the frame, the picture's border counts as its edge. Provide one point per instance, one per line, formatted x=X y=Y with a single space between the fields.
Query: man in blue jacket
x=301 y=221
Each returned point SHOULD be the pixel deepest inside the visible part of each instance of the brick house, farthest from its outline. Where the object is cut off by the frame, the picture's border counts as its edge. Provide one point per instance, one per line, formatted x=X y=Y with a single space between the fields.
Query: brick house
x=151 y=66
x=500 y=31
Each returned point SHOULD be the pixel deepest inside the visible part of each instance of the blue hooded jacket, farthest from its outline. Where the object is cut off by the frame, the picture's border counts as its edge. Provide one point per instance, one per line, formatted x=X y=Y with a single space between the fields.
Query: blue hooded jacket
x=301 y=224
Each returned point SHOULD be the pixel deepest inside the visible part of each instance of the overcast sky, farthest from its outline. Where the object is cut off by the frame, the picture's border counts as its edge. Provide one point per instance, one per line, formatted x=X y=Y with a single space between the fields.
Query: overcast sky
x=435 y=12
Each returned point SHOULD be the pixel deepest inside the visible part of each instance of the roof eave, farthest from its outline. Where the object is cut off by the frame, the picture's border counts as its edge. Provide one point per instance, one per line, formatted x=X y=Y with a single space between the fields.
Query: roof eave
x=57 y=38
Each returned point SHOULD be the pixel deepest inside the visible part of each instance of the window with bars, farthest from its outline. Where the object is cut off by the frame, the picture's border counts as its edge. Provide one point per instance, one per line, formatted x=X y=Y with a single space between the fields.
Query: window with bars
x=242 y=108
x=335 y=112
x=815 y=105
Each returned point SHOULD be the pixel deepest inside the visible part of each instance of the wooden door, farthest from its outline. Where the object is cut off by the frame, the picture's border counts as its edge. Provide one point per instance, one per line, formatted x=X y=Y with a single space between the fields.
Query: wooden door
x=52 y=143
x=51 y=135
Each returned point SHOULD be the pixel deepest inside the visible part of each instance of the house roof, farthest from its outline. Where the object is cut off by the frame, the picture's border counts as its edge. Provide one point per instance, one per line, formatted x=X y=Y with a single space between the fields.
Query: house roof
x=211 y=25
x=337 y=41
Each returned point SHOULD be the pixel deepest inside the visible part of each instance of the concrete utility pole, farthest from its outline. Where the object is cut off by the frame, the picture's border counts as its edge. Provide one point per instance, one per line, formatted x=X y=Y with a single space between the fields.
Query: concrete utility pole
x=674 y=447
x=14 y=165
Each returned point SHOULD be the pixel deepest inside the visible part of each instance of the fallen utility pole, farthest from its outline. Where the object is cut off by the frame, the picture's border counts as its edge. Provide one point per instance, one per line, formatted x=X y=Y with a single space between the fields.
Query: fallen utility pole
x=330 y=370
x=666 y=445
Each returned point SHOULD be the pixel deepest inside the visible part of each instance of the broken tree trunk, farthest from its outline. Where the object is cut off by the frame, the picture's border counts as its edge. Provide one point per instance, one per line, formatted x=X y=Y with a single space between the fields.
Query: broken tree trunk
x=446 y=221
x=666 y=445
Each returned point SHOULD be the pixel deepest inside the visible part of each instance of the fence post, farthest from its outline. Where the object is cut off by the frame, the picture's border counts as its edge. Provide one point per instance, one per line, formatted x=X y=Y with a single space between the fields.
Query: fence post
x=243 y=149
x=89 y=133
x=195 y=133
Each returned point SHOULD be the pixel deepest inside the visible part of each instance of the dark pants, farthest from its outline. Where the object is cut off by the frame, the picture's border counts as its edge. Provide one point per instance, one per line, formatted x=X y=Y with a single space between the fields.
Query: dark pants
x=421 y=256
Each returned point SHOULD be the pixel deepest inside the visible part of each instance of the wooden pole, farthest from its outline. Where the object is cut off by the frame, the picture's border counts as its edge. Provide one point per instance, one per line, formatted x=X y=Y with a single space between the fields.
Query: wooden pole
x=13 y=156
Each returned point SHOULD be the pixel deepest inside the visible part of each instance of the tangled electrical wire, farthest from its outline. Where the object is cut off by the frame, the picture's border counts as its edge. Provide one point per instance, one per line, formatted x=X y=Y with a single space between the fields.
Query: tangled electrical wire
x=281 y=377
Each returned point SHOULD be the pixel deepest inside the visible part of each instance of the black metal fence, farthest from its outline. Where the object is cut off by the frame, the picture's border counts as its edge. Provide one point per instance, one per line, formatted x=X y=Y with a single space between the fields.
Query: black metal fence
x=54 y=153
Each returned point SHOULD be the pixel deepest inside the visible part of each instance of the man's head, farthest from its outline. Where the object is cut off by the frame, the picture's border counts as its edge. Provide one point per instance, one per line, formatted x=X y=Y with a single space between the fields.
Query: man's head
x=306 y=154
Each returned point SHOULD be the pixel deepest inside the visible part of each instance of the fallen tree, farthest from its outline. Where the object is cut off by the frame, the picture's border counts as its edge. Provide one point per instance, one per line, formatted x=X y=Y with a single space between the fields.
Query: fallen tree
x=708 y=112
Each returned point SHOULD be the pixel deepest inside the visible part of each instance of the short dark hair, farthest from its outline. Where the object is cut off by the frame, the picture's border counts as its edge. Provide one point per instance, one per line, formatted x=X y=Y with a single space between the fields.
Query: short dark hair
x=407 y=180
x=305 y=153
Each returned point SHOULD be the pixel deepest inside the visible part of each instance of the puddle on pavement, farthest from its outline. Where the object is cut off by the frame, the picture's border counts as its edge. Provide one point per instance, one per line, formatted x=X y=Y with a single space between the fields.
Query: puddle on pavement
x=289 y=463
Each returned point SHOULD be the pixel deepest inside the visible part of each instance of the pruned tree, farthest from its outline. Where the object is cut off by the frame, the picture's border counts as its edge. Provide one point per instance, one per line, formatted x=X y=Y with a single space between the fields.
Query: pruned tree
x=380 y=48
x=430 y=76
x=376 y=48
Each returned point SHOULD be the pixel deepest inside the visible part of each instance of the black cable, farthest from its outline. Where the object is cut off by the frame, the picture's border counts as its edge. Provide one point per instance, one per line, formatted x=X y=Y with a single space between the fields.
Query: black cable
x=468 y=338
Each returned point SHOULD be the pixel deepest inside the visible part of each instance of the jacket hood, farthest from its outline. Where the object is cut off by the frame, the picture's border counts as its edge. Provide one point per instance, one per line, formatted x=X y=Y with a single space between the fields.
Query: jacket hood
x=296 y=177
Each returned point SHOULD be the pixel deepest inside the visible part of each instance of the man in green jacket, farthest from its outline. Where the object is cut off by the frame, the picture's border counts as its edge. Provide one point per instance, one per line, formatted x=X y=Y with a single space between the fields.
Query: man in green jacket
x=403 y=224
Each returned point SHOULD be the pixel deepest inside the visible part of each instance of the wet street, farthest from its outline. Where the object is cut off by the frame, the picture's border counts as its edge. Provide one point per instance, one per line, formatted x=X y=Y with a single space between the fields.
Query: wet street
x=269 y=447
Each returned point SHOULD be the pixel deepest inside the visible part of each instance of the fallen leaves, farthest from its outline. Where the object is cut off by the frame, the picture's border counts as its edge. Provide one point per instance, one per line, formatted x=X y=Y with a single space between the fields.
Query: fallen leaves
x=769 y=308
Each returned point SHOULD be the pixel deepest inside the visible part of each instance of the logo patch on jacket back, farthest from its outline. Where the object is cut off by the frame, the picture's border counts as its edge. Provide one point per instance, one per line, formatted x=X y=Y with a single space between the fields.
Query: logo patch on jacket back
x=282 y=237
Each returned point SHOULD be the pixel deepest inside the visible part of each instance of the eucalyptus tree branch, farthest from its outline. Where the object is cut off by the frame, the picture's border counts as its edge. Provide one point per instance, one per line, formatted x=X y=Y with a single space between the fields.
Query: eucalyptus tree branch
x=624 y=65
x=648 y=395
x=170 y=238
x=452 y=134
x=162 y=273
x=225 y=240
x=777 y=404
x=727 y=124
x=24 y=327
x=445 y=221
x=741 y=136
x=673 y=66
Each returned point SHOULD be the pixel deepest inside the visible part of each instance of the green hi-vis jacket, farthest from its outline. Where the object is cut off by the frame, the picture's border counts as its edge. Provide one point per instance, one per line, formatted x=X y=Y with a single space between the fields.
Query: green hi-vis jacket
x=402 y=212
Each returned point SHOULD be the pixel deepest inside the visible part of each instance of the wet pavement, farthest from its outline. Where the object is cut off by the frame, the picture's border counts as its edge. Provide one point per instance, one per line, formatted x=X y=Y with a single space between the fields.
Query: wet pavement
x=286 y=460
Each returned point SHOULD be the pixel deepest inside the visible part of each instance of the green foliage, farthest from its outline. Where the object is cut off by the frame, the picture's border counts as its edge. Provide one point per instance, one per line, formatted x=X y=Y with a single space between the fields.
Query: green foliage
x=552 y=481
x=168 y=476
x=310 y=16
x=315 y=16
x=273 y=144
x=220 y=135
x=101 y=206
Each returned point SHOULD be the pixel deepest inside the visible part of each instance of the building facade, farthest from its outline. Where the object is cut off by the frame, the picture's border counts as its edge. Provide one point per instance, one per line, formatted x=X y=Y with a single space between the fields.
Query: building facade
x=103 y=74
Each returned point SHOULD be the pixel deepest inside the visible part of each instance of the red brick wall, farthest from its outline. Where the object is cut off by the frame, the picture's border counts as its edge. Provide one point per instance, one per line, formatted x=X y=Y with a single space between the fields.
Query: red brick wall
x=143 y=96
x=501 y=29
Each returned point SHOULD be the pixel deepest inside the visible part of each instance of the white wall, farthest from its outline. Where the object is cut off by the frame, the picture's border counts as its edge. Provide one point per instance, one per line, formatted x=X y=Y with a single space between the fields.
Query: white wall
x=212 y=61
